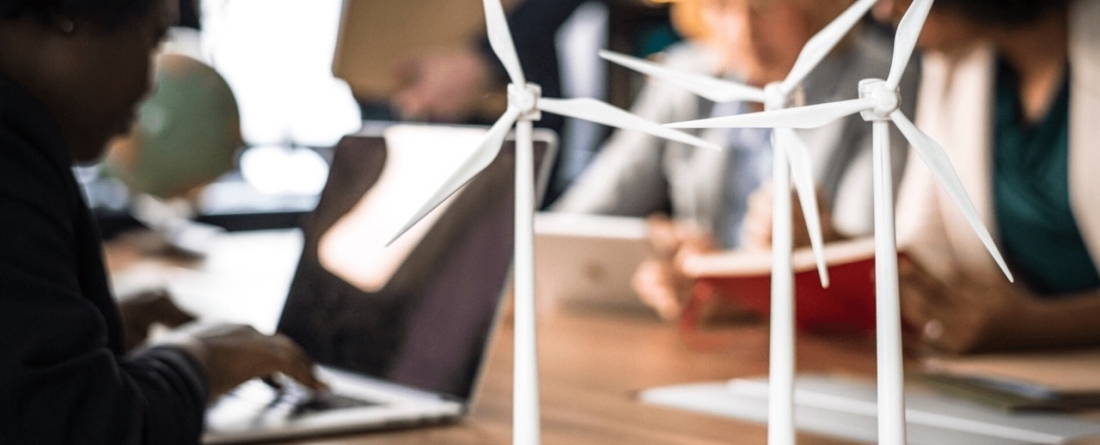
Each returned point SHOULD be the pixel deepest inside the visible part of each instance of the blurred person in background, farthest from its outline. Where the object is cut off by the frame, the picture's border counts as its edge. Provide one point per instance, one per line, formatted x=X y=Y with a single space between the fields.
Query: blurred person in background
x=718 y=200
x=71 y=75
x=458 y=84
x=1012 y=91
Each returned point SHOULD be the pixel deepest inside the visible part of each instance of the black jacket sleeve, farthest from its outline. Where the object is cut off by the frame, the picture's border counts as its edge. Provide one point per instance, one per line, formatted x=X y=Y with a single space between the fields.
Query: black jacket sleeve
x=64 y=378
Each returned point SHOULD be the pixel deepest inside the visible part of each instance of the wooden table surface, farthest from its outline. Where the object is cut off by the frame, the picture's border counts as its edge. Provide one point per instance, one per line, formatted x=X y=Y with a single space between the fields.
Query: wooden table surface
x=591 y=365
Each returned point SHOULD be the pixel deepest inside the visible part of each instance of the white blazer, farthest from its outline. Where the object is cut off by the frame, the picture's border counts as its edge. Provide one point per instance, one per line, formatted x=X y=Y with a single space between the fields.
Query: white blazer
x=955 y=107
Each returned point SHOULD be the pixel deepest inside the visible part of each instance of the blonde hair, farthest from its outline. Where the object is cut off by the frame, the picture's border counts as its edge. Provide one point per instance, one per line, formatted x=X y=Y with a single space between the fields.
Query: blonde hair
x=687 y=15
x=687 y=19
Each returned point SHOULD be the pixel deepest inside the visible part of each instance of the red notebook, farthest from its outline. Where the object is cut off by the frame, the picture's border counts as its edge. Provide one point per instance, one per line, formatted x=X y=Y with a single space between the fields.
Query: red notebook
x=846 y=307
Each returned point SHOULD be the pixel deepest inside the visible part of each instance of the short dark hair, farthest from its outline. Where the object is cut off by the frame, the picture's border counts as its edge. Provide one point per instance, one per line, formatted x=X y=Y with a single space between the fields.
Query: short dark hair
x=101 y=12
x=1002 y=13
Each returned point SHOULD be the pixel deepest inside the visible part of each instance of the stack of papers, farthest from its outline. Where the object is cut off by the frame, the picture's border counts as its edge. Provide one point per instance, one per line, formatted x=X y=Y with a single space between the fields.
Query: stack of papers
x=1051 y=381
x=845 y=408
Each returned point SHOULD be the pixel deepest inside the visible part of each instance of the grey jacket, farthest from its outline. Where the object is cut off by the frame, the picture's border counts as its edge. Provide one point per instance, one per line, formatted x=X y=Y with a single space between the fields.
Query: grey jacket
x=638 y=175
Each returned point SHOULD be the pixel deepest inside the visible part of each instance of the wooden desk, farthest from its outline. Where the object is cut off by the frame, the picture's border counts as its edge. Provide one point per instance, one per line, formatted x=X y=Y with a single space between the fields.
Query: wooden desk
x=591 y=365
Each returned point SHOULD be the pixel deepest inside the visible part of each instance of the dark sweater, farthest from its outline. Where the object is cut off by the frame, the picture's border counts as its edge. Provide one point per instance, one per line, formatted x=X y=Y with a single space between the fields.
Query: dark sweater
x=64 y=375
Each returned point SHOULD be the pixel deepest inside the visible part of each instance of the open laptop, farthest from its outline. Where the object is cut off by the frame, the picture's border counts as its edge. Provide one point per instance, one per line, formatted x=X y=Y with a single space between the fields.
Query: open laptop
x=400 y=333
x=587 y=262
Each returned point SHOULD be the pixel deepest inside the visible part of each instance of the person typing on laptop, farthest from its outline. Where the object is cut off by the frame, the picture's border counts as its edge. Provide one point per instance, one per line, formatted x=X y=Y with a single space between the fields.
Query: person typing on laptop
x=71 y=74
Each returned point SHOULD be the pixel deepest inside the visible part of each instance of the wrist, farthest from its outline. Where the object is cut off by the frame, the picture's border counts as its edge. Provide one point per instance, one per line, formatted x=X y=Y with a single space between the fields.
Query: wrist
x=1029 y=323
x=1068 y=321
x=1064 y=322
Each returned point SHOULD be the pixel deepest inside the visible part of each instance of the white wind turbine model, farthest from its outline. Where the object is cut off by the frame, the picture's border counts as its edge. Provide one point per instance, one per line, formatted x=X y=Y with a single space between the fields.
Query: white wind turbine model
x=789 y=149
x=525 y=105
x=879 y=103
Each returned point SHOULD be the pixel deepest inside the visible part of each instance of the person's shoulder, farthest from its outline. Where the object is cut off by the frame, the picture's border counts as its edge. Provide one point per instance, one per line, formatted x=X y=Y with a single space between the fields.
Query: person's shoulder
x=29 y=177
x=666 y=101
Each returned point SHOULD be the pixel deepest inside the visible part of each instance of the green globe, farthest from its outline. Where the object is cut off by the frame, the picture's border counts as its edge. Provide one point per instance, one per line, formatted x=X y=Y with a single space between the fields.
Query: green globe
x=186 y=133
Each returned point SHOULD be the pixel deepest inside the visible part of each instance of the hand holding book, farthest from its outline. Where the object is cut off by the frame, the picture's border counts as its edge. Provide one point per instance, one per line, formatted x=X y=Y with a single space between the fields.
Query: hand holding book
x=660 y=282
x=743 y=279
x=960 y=317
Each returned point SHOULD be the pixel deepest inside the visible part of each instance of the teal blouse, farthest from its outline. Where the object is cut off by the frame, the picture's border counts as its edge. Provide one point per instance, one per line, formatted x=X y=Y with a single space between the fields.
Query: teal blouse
x=1038 y=231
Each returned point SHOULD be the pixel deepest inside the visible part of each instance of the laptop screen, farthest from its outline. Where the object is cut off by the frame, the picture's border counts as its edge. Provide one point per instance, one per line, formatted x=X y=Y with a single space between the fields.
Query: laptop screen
x=427 y=324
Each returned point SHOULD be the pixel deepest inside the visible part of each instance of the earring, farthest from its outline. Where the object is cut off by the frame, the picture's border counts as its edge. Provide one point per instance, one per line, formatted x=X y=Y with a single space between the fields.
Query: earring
x=66 y=25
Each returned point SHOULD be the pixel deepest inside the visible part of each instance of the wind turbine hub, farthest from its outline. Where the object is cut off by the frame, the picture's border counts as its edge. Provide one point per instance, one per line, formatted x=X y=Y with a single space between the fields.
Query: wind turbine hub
x=886 y=100
x=775 y=98
x=525 y=99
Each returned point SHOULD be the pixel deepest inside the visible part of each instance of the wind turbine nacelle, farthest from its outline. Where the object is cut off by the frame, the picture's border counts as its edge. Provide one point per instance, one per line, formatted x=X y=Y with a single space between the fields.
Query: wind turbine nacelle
x=525 y=99
x=886 y=100
x=776 y=98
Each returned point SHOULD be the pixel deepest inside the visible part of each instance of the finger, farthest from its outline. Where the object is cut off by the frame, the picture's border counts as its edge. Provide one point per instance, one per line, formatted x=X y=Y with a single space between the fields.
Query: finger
x=662 y=235
x=912 y=343
x=694 y=239
x=687 y=230
x=296 y=364
x=695 y=246
x=918 y=308
x=684 y=294
x=914 y=303
x=663 y=303
x=272 y=380
x=758 y=216
x=407 y=103
x=678 y=283
x=757 y=233
x=926 y=311
x=640 y=282
x=668 y=310
x=171 y=315
x=917 y=278
x=760 y=200
x=651 y=284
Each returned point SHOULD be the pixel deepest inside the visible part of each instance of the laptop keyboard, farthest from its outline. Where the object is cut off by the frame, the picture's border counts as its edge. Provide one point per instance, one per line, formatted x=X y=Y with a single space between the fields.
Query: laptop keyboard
x=283 y=398
x=297 y=400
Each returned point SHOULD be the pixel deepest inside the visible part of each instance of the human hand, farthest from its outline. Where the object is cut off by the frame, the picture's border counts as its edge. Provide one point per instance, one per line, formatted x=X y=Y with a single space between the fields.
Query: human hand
x=141 y=311
x=232 y=354
x=663 y=287
x=443 y=85
x=758 y=220
x=661 y=282
x=885 y=11
x=960 y=317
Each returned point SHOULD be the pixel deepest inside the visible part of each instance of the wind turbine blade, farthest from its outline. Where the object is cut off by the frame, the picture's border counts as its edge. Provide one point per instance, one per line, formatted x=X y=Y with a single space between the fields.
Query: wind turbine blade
x=802 y=174
x=933 y=154
x=812 y=116
x=905 y=42
x=500 y=39
x=822 y=43
x=595 y=111
x=481 y=157
x=707 y=87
